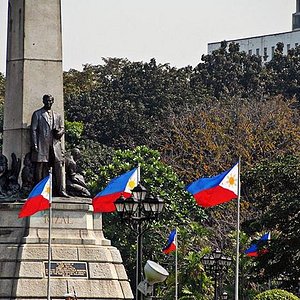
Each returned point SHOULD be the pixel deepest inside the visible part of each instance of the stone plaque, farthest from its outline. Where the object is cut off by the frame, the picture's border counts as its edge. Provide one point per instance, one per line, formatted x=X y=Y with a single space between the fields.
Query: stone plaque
x=67 y=269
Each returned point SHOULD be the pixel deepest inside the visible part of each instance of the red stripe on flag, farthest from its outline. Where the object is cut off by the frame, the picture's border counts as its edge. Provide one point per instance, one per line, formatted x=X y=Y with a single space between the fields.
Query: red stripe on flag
x=170 y=249
x=257 y=253
x=106 y=203
x=33 y=205
x=214 y=196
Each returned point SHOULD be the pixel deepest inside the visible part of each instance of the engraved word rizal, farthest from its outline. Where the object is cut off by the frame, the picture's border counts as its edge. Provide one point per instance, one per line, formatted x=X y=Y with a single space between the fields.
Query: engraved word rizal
x=58 y=219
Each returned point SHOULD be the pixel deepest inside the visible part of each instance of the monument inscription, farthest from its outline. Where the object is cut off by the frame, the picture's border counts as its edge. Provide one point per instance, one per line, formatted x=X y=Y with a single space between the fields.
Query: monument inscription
x=67 y=269
x=58 y=219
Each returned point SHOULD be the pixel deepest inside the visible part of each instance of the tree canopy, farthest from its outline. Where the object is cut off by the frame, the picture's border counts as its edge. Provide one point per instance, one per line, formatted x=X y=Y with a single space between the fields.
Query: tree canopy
x=274 y=189
x=200 y=120
x=276 y=294
x=181 y=124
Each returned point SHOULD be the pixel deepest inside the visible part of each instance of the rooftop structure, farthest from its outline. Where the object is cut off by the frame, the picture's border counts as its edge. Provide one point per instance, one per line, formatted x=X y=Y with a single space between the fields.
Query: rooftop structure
x=265 y=45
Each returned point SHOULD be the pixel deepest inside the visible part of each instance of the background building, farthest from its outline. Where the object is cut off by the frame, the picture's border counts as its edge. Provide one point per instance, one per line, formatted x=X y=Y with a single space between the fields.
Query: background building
x=265 y=45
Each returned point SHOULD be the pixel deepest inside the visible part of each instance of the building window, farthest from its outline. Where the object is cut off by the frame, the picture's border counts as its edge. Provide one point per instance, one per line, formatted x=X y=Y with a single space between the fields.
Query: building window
x=257 y=51
x=250 y=52
x=265 y=53
x=288 y=47
x=273 y=50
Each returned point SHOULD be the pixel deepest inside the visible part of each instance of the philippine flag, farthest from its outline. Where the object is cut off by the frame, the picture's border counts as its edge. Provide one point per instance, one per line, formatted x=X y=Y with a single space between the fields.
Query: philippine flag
x=216 y=190
x=38 y=199
x=256 y=249
x=122 y=185
x=171 y=246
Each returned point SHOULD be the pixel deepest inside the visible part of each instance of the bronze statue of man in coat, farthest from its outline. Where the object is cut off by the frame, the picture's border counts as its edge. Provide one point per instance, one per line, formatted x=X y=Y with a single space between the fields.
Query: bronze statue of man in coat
x=47 y=129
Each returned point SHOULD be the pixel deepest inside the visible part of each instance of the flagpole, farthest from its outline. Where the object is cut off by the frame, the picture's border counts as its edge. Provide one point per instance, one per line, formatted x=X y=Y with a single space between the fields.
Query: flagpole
x=139 y=247
x=176 y=265
x=49 y=235
x=138 y=173
x=238 y=235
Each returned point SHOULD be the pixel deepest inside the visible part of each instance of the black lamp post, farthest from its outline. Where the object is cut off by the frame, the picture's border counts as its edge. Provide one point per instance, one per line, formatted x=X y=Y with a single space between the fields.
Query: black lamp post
x=216 y=264
x=137 y=211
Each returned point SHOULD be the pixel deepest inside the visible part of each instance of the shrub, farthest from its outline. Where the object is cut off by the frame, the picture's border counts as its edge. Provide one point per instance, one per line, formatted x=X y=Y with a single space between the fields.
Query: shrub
x=276 y=294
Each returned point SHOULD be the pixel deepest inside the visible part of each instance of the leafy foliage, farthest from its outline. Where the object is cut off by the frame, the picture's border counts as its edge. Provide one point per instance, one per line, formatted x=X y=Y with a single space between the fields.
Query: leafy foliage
x=283 y=73
x=196 y=122
x=160 y=180
x=73 y=132
x=276 y=295
x=93 y=156
x=125 y=104
x=229 y=73
x=122 y=102
x=274 y=188
x=2 y=87
x=200 y=120
x=209 y=137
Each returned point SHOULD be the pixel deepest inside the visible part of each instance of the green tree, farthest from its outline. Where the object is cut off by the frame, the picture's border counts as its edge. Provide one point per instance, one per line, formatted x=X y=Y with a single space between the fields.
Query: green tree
x=74 y=132
x=276 y=295
x=273 y=188
x=125 y=104
x=193 y=282
x=227 y=72
x=93 y=156
x=283 y=73
x=208 y=138
x=122 y=102
x=180 y=209
x=200 y=120
x=2 y=87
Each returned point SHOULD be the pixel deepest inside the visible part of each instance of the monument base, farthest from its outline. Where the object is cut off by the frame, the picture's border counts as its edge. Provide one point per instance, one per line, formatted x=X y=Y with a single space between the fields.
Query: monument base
x=82 y=260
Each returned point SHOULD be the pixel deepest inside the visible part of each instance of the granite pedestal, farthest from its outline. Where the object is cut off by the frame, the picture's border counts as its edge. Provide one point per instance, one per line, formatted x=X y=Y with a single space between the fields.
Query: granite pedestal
x=82 y=259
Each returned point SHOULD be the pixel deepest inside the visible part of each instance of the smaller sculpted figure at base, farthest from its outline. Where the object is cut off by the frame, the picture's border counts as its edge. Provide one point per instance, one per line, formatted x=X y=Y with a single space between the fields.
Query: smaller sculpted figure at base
x=3 y=173
x=47 y=129
x=27 y=175
x=9 y=185
x=76 y=185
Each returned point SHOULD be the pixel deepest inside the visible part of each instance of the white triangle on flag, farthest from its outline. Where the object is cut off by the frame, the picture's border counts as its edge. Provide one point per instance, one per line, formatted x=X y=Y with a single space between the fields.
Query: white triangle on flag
x=230 y=181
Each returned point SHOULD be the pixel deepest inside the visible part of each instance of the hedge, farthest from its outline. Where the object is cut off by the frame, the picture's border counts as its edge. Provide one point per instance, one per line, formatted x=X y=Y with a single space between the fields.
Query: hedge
x=276 y=294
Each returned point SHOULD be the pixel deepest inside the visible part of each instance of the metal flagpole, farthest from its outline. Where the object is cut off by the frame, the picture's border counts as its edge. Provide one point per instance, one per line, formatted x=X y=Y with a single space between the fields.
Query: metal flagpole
x=139 y=245
x=49 y=234
x=138 y=174
x=238 y=235
x=176 y=265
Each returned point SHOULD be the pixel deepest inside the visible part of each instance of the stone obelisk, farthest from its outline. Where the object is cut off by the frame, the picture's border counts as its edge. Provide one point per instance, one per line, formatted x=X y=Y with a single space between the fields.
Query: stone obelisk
x=34 y=68
x=82 y=260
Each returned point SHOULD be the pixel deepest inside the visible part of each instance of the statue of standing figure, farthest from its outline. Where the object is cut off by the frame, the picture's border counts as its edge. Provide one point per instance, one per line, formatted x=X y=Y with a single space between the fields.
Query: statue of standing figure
x=47 y=129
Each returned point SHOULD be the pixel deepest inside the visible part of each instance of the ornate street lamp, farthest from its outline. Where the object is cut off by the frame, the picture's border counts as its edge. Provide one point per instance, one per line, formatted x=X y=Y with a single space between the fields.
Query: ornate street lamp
x=216 y=264
x=224 y=296
x=137 y=211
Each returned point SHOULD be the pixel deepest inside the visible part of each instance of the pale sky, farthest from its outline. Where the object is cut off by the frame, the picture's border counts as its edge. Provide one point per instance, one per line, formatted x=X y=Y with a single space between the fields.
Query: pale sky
x=172 y=31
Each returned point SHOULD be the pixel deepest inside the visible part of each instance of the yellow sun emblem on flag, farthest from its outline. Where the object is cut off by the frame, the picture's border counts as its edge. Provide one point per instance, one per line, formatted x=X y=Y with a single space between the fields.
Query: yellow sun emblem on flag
x=231 y=180
x=131 y=184
x=47 y=189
